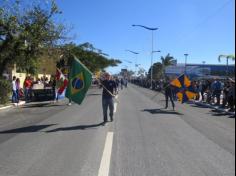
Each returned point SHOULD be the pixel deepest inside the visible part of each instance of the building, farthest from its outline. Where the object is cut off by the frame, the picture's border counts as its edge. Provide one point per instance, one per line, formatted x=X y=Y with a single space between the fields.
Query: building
x=200 y=70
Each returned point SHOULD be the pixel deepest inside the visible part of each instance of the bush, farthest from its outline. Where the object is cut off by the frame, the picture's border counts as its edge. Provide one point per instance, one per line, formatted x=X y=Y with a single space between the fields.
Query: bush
x=5 y=90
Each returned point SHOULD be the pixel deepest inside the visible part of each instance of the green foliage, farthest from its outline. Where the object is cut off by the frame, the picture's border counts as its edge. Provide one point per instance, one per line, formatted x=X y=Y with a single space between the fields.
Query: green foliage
x=91 y=57
x=159 y=67
x=232 y=57
x=25 y=33
x=157 y=71
x=30 y=35
x=5 y=90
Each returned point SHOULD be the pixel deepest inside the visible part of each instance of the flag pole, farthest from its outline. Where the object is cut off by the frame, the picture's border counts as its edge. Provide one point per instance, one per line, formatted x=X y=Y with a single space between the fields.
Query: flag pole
x=82 y=64
x=69 y=87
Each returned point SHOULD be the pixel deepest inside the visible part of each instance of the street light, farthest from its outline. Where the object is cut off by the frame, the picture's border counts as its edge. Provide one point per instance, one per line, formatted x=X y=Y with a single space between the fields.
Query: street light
x=128 y=61
x=186 y=60
x=136 y=53
x=151 y=29
x=156 y=51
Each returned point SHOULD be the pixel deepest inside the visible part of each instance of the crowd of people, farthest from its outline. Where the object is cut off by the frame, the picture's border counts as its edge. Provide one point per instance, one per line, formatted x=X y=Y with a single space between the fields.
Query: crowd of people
x=217 y=92
x=25 y=92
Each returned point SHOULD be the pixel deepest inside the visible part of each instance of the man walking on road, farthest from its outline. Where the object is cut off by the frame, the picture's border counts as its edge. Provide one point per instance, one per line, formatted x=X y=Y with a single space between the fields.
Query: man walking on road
x=168 y=94
x=109 y=89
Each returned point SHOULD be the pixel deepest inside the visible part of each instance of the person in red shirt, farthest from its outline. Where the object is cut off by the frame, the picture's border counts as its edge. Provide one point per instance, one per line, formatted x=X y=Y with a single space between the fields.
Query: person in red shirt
x=27 y=87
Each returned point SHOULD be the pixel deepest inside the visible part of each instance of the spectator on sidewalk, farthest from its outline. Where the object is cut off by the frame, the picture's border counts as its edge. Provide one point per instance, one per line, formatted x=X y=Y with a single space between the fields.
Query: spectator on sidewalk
x=216 y=89
x=231 y=97
x=18 y=89
x=14 y=90
x=27 y=88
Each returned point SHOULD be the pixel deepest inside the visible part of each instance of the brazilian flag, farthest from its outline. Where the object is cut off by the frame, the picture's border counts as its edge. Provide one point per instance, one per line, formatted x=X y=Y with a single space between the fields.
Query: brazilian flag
x=80 y=79
x=184 y=88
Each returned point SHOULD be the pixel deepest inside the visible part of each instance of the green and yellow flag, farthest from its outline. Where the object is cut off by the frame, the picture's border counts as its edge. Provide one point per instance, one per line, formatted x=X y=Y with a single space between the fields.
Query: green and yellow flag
x=80 y=79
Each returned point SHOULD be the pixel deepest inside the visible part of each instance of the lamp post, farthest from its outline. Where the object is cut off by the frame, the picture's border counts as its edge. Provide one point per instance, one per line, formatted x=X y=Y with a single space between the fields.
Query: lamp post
x=185 y=67
x=150 y=29
x=135 y=63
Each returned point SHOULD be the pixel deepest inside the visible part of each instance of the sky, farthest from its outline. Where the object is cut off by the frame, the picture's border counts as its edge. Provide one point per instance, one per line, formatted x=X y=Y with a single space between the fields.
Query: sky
x=202 y=28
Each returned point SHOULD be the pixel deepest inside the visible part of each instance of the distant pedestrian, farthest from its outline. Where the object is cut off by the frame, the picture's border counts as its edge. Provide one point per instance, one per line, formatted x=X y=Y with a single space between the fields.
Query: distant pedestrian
x=14 y=90
x=18 y=89
x=27 y=87
x=109 y=90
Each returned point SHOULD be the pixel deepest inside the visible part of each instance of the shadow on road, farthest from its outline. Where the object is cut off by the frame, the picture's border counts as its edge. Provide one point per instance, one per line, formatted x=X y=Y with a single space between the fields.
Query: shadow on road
x=200 y=106
x=161 y=111
x=80 y=127
x=218 y=113
x=94 y=94
x=29 y=129
x=42 y=105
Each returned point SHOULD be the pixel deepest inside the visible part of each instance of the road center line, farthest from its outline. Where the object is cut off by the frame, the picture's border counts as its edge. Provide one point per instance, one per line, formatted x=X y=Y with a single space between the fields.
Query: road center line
x=115 y=107
x=115 y=104
x=106 y=158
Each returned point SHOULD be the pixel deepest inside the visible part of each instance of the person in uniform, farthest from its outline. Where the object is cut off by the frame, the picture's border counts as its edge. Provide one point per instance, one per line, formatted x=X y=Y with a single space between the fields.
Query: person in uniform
x=109 y=90
x=168 y=94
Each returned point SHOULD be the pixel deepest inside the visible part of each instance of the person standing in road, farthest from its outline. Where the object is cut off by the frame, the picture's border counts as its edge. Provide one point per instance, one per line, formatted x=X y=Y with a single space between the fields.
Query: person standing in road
x=109 y=89
x=168 y=94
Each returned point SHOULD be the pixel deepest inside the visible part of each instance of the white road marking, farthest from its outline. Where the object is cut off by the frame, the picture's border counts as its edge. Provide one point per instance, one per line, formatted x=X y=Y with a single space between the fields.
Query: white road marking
x=106 y=157
x=115 y=104
x=115 y=107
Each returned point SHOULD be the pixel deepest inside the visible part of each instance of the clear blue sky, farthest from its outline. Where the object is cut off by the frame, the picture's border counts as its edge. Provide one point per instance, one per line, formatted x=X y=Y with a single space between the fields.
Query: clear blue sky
x=202 y=28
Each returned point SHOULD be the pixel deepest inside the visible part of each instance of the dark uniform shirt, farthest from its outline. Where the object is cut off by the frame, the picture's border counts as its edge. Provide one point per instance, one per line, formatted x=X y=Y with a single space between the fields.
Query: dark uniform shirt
x=109 y=85
x=167 y=88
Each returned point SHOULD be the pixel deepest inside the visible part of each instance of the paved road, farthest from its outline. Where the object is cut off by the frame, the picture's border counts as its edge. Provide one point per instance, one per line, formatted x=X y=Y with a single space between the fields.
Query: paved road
x=144 y=140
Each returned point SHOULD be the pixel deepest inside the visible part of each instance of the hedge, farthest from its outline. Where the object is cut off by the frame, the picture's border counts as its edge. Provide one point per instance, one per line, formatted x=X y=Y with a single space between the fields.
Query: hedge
x=5 y=90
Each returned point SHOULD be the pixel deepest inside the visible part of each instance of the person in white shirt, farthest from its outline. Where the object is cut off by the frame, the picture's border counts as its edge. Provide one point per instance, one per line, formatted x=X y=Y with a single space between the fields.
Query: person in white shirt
x=14 y=91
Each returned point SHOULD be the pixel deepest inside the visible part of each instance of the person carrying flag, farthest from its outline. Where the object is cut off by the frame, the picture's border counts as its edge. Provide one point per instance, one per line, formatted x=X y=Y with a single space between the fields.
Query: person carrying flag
x=109 y=89
x=80 y=80
x=184 y=88
x=61 y=84
x=168 y=94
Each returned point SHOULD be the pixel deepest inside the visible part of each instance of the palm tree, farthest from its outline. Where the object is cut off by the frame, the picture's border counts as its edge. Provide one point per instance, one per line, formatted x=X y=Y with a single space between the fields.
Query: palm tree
x=167 y=61
x=232 y=57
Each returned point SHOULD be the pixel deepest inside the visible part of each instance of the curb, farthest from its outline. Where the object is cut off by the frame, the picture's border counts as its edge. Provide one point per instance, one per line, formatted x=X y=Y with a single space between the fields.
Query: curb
x=12 y=105
x=5 y=107
x=215 y=108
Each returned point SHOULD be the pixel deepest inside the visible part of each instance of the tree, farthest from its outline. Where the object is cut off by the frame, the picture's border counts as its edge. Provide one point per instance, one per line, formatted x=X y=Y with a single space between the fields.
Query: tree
x=160 y=67
x=232 y=57
x=26 y=33
x=141 y=72
x=93 y=58
x=228 y=57
x=167 y=61
x=157 y=71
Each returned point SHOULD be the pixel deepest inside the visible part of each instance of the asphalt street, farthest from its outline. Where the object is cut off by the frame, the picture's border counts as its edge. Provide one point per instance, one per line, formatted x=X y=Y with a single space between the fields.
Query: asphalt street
x=49 y=139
